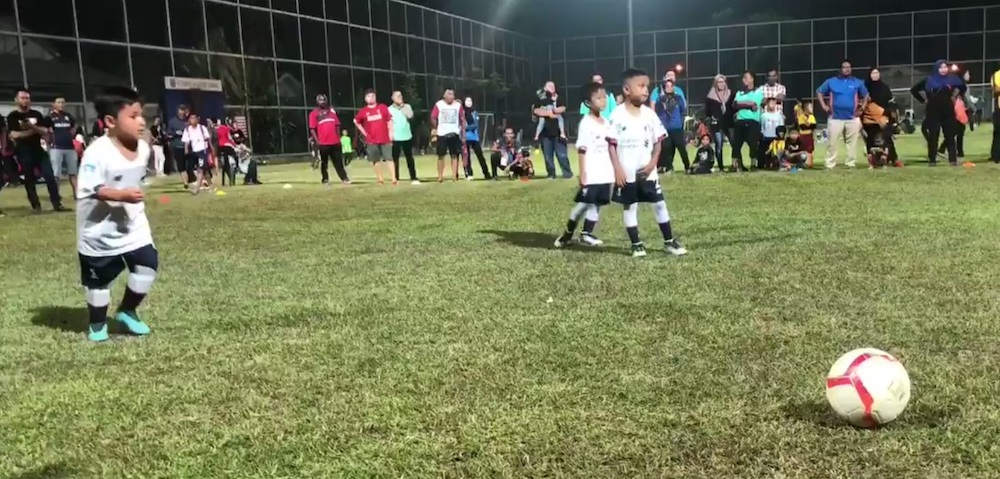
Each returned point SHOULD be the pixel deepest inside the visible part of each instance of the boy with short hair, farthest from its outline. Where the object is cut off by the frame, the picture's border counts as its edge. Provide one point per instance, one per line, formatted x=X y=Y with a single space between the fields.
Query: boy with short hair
x=807 y=126
x=597 y=173
x=112 y=229
x=795 y=154
x=635 y=148
x=770 y=120
x=197 y=141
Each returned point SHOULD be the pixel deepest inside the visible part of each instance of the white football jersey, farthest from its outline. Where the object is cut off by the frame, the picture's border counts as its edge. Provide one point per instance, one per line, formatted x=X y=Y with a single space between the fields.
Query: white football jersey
x=635 y=136
x=592 y=139
x=110 y=228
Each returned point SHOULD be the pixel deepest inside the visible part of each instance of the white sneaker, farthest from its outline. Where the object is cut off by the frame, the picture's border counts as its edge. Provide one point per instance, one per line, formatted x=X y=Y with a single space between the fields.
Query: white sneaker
x=590 y=240
x=469 y=178
x=415 y=182
x=674 y=247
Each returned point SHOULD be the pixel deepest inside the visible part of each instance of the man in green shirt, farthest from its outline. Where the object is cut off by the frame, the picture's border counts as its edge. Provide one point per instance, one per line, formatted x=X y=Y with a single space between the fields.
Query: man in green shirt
x=402 y=135
x=606 y=113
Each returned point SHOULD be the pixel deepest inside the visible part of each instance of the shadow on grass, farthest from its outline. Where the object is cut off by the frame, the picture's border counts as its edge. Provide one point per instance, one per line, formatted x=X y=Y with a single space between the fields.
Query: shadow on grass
x=52 y=471
x=917 y=416
x=535 y=240
x=62 y=318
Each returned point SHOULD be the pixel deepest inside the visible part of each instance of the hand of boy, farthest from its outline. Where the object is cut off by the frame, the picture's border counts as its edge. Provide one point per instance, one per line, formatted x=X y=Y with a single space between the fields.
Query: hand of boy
x=132 y=195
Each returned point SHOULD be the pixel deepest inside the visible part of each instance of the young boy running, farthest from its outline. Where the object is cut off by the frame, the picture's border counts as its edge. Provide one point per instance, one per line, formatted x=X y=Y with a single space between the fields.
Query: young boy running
x=112 y=229
x=635 y=148
x=597 y=173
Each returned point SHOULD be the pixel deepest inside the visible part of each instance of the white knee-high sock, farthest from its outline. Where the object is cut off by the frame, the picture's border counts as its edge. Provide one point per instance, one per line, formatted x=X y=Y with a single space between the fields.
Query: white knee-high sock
x=663 y=219
x=631 y=218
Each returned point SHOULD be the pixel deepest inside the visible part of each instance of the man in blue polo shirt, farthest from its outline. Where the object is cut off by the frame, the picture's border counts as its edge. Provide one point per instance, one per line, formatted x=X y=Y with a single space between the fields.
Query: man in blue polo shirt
x=843 y=97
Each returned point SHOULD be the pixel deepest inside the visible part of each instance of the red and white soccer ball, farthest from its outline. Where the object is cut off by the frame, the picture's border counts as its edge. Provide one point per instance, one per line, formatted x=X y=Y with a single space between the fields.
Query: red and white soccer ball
x=868 y=387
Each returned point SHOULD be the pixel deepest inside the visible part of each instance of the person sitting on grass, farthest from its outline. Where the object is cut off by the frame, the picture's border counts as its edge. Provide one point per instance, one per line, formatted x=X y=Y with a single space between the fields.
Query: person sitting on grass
x=774 y=157
x=510 y=157
x=796 y=155
x=878 y=152
x=704 y=157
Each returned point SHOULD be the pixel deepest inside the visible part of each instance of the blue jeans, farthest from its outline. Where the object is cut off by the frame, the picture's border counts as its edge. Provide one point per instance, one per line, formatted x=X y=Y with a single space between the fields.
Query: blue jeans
x=555 y=146
x=719 y=138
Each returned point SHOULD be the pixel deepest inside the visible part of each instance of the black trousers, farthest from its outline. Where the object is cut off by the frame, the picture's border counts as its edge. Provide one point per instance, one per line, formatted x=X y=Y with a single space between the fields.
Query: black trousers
x=995 y=149
x=748 y=132
x=940 y=118
x=176 y=162
x=959 y=141
x=335 y=153
x=673 y=143
x=474 y=146
x=404 y=148
x=227 y=160
x=763 y=150
x=30 y=160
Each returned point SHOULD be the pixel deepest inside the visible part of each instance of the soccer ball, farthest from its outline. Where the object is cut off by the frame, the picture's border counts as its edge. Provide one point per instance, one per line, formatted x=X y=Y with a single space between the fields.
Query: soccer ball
x=868 y=387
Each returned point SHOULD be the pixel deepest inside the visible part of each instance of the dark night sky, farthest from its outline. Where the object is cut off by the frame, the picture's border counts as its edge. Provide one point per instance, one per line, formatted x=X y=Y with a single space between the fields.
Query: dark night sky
x=555 y=18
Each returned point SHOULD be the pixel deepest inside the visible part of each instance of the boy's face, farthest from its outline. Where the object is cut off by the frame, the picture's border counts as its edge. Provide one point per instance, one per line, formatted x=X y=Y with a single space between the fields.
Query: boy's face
x=636 y=90
x=794 y=135
x=705 y=141
x=193 y=120
x=599 y=100
x=809 y=108
x=771 y=104
x=59 y=104
x=129 y=124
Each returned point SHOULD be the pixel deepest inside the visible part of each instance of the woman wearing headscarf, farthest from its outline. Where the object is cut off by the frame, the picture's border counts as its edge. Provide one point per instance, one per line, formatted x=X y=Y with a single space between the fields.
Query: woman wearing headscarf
x=960 y=133
x=719 y=110
x=880 y=114
x=473 y=141
x=938 y=92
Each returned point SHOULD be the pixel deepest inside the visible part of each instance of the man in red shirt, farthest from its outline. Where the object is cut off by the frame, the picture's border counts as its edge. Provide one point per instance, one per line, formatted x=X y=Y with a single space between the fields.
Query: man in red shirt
x=324 y=129
x=374 y=122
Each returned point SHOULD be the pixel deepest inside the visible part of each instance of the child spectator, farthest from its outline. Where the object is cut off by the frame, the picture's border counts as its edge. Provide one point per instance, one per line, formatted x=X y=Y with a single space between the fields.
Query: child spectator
x=704 y=157
x=878 y=153
x=345 y=143
x=795 y=154
x=806 y=122
x=770 y=120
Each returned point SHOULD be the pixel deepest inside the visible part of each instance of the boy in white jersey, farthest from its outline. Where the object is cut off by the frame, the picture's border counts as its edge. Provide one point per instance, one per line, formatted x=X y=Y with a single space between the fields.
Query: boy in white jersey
x=597 y=172
x=112 y=230
x=636 y=134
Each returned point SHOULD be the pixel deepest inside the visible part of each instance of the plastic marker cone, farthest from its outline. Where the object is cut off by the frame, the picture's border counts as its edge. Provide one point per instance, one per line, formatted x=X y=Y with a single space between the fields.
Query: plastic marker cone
x=164 y=200
x=220 y=193
x=287 y=186
x=969 y=164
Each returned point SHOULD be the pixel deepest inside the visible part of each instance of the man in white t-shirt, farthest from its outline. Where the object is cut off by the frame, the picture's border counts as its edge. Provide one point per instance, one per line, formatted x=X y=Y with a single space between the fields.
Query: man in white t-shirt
x=635 y=148
x=197 y=141
x=597 y=172
x=448 y=121
x=112 y=229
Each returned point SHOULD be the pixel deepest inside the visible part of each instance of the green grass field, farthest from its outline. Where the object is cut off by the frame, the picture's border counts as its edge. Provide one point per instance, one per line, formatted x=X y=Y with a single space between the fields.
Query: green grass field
x=408 y=332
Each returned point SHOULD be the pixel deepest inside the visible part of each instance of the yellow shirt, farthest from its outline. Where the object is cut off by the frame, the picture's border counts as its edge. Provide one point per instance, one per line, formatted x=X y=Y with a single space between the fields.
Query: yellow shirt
x=806 y=122
x=777 y=147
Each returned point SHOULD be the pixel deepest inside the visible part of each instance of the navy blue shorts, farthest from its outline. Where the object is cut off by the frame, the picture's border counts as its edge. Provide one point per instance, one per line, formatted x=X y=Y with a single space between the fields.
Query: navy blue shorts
x=97 y=272
x=643 y=191
x=599 y=195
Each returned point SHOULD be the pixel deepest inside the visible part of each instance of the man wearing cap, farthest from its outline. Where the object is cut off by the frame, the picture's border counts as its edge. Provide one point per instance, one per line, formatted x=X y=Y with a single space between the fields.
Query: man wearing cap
x=324 y=129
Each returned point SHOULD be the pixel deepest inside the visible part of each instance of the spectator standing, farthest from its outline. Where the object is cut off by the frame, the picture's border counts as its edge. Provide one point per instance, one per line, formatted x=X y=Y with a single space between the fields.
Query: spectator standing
x=612 y=101
x=374 y=123
x=448 y=121
x=995 y=87
x=197 y=143
x=27 y=127
x=324 y=130
x=719 y=112
x=747 y=106
x=960 y=127
x=62 y=154
x=671 y=75
x=806 y=122
x=175 y=132
x=473 y=142
x=938 y=92
x=670 y=108
x=159 y=138
x=773 y=89
x=881 y=97
x=553 y=146
x=402 y=138
x=844 y=97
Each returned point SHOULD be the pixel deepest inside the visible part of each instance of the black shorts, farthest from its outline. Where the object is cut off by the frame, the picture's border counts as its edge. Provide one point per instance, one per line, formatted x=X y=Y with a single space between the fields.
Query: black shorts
x=450 y=144
x=98 y=272
x=599 y=195
x=197 y=161
x=644 y=191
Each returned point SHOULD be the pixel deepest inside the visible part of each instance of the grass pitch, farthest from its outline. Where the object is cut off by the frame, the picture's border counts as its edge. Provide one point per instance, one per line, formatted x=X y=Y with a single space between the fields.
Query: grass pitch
x=408 y=332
